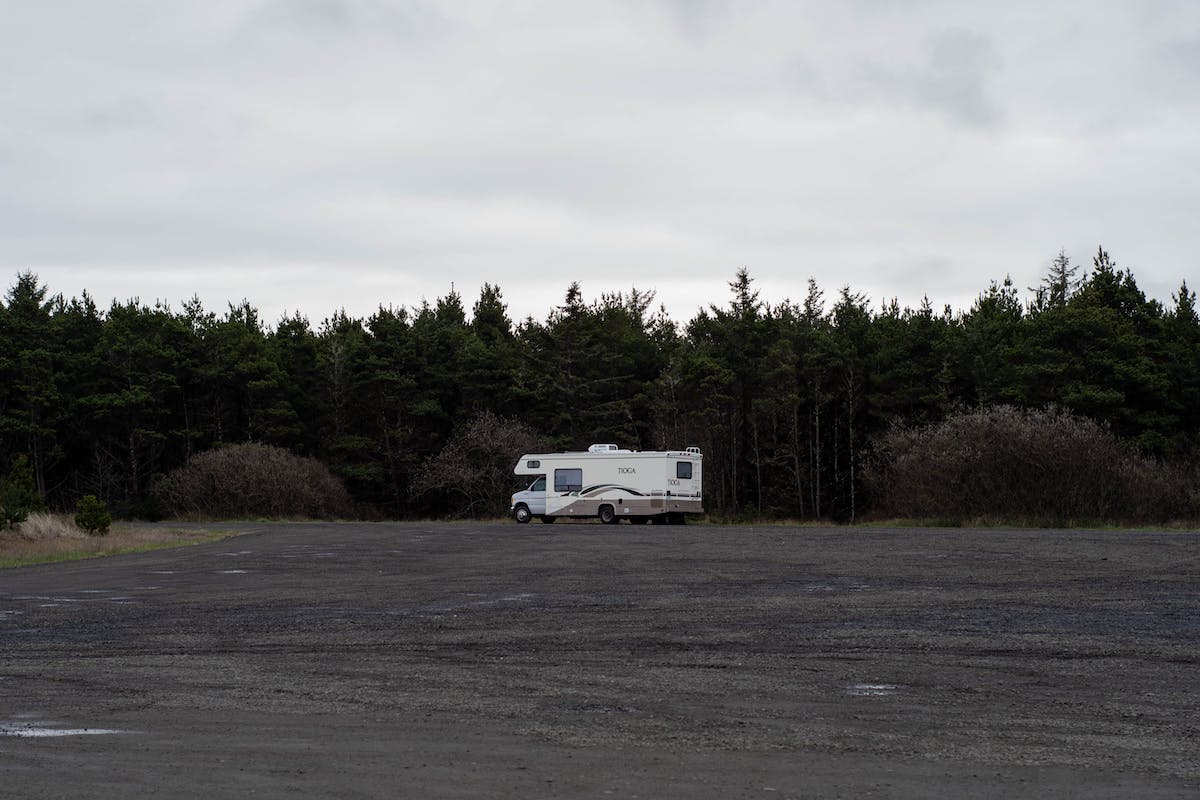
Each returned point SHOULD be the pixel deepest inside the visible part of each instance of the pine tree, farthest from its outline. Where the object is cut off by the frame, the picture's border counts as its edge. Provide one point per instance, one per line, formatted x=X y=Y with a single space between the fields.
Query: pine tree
x=1060 y=284
x=19 y=496
x=92 y=515
x=30 y=404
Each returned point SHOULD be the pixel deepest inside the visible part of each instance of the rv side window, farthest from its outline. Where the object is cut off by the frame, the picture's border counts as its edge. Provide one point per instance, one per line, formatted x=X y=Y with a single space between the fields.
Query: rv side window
x=539 y=485
x=568 y=480
x=683 y=469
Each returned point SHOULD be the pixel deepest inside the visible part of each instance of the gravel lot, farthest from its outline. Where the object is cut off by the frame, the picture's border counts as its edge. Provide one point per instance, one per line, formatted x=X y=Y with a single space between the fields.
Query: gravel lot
x=579 y=660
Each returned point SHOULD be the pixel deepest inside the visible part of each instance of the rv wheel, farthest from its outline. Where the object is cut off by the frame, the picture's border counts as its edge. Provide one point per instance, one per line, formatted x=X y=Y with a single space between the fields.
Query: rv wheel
x=547 y=520
x=607 y=515
x=522 y=515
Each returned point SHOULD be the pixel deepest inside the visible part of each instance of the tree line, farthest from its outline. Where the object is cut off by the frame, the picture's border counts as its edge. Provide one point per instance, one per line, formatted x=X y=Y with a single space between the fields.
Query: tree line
x=786 y=400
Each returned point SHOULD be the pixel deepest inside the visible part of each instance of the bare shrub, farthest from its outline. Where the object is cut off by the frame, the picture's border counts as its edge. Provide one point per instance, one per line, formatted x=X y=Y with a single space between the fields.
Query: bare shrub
x=1031 y=466
x=252 y=480
x=472 y=475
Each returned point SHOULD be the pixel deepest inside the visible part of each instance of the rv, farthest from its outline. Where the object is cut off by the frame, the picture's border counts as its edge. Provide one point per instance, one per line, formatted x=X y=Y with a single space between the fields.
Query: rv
x=611 y=484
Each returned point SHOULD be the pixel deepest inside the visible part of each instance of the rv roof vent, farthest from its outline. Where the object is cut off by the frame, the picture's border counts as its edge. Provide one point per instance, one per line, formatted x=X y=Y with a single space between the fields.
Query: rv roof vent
x=695 y=450
x=602 y=448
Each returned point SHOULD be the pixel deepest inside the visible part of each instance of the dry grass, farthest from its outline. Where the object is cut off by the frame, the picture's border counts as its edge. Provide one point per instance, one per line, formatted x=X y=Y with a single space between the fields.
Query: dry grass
x=54 y=537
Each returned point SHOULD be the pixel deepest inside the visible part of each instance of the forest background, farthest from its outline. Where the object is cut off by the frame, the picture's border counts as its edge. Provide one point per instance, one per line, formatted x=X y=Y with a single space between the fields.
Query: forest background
x=790 y=402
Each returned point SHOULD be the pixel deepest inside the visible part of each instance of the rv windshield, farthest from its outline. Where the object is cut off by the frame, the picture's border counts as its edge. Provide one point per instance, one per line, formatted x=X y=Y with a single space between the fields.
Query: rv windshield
x=539 y=485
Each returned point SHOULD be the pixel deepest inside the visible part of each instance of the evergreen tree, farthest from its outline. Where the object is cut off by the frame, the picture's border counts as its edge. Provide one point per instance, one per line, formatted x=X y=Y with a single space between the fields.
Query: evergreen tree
x=77 y=328
x=19 y=496
x=852 y=351
x=29 y=400
x=1181 y=328
x=351 y=444
x=911 y=374
x=491 y=359
x=984 y=351
x=730 y=344
x=1099 y=355
x=250 y=404
x=92 y=515
x=391 y=398
x=131 y=409
x=294 y=348
x=1060 y=284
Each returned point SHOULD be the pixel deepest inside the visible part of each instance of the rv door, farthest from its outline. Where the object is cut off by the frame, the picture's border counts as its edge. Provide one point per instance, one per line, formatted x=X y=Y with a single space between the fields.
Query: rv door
x=534 y=497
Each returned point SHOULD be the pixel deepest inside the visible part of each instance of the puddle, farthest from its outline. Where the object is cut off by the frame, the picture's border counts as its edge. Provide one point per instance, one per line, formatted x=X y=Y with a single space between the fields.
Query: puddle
x=238 y=553
x=34 y=732
x=162 y=572
x=28 y=725
x=233 y=571
x=872 y=689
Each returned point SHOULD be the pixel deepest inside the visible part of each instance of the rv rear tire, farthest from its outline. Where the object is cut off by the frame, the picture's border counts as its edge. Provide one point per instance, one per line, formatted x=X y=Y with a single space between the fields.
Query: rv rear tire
x=546 y=520
x=607 y=515
x=521 y=514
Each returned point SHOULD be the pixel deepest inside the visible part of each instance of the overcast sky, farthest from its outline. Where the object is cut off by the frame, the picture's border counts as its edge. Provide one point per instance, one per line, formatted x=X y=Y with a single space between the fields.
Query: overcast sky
x=318 y=154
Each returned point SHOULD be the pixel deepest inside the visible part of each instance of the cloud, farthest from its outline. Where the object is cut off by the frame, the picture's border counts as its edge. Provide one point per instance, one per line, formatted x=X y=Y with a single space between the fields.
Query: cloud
x=1182 y=56
x=951 y=75
x=399 y=19
x=378 y=150
x=697 y=17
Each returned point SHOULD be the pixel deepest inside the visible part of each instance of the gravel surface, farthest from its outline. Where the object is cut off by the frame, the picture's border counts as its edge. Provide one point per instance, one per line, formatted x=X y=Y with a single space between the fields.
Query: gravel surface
x=579 y=660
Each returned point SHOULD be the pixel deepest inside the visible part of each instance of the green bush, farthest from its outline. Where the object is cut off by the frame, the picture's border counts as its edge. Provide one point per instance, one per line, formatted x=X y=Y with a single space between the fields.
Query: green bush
x=18 y=494
x=92 y=515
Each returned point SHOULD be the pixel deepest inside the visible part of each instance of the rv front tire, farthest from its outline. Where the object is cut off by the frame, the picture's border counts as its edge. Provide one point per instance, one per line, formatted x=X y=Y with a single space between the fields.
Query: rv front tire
x=522 y=515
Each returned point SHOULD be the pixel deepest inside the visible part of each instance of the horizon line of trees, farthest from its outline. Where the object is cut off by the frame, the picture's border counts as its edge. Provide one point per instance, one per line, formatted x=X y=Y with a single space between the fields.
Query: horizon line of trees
x=786 y=400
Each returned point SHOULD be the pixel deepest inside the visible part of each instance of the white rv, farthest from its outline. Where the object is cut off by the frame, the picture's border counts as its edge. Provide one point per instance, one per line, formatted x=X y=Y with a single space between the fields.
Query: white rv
x=611 y=484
